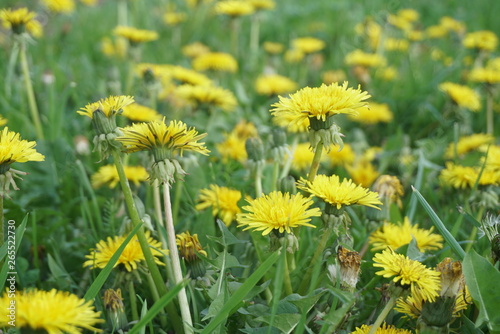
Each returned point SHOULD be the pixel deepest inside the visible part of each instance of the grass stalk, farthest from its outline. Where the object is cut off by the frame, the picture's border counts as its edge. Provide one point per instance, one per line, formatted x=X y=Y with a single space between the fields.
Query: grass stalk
x=176 y=264
x=148 y=256
x=29 y=90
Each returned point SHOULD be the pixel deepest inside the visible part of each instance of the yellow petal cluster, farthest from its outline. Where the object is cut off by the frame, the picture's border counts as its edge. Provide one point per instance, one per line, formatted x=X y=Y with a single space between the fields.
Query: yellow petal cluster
x=108 y=176
x=274 y=84
x=110 y=106
x=135 y=35
x=207 y=95
x=215 y=61
x=223 y=200
x=14 y=149
x=462 y=95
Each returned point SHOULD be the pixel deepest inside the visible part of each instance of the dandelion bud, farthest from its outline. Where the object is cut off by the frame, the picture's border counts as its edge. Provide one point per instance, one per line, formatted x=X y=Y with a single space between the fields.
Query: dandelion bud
x=189 y=247
x=278 y=143
x=255 y=152
x=113 y=302
x=325 y=131
x=350 y=263
x=287 y=185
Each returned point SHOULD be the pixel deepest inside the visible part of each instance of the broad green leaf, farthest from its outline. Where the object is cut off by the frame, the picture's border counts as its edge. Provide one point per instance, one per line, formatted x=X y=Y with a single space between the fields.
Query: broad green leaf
x=157 y=307
x=306 y=303
x=59 y=273
x=238 y=296
x=285 y=322
x=103 y=275
x=455 y=246
x=482 y=280
x=469 y=327
x=333 y=319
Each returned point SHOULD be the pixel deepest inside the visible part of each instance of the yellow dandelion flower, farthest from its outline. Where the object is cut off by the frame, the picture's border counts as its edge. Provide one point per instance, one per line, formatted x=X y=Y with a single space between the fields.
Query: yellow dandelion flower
x=202 y=96
x=234 y=8
x=341 y=157
x=387 y=73
x=469 y=143
x=139 y=113
x=59 y=6
x=116 y=48
x=372 y=114
x=157 y=135
x=463 y=96
x=415 y=35
x=302 y=157
x=371 y=30
x=131 y=256
x=277 y=211
x=273 y=47
x=245 y=129
x=188 y=76
x=397 y=235
x=108 y=176
x=396 y=44
x=361 y=58
x=458 y=177
x=174 y=18
x=308 y=45
x=329 y=77
x=408 y=274
x=51 y=312
x=233 y=147
x=363 y=173
x=409 y=14
x=134 y=35
x=19 y=20
x=483 y=40
x=262 y=4
x=339 y=194
x=488 y=75
x=452 y=25
x=492 y=161
x=383 y=329
x=110 y=106
x=294 y=56
x=319 y=102
x=215 y=61
x=400 y=22
x=389 y=189
x=195 y=49
x=3 y=121
x=274 y=84
x=223 y=200
x=14 y=149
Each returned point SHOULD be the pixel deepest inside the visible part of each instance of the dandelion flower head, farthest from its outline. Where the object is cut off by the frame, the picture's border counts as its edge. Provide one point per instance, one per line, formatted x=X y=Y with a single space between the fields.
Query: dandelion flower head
x=277 y=211
x=14 y=149
x=375 y=113
x=20 y=20
x=131 y=256
x=408 y=274
x=234 y=8
x=134 y=35
x=223 y=200
x=207 y=95
x=363 y=172
x=458 y=177
x=397 y=235
x=339 y=194
x=274 y=84
x=361 y=58
x=110 y=106
x=53 y=312
x=463 y=96
x=60 y=6
x=139 y=113
x=483 y=40
x=469 y=143
x=308 y=44
x=215 y=61
x=108 y=176
x=383 y=329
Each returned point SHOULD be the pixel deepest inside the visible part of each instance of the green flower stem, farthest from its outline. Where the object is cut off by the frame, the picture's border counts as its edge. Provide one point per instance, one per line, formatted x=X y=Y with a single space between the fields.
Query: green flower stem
x=316 y=161
x=288 y=163
x=473 y=233
x=258 y=181
x=156 y=297
x=286 y=279
x=254 y=36
x=381 y=317
x=235 y=31
x=10 y=69
x=122 y=13
x=159 y=217
x=176 y=264
x=316 y=257
x=177 y=200
x=148 y=256
x=489 y=110
x=133 y=300
x=29 y=90
x=274 y=181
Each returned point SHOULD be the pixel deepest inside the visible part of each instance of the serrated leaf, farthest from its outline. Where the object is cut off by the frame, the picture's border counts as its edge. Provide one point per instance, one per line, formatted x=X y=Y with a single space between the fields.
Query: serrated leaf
x=285 y=322
x=305 y=303
x=482 y=280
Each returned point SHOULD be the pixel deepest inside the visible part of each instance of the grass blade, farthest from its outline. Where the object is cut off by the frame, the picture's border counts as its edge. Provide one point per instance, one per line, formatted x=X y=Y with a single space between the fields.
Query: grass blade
x=157 y=307
x=239 y=294
x=103 y=275
x=19 y=236
x=440 y=226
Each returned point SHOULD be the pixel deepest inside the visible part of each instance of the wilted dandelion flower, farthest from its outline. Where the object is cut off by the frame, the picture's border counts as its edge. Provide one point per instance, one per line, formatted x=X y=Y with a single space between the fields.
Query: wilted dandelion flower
x=274 y=84
x=482 y=40
x=277 y=211
x=134 y=35
x=361 y=58
x=339 y=194
x=234 y=8
x=397 y=235
x=215 y=61
x=108 y=176
x=138 y=113
x=469 y=143
x=308 y=45
x=408 y=274
x=463 y=96
x=318 y=102
x=223 y=200
x=375 y=113
x=51 y=312
x=383 y=329
x=189 y=246
x=207 y=96
x=458 y=177
x=131 y=256
x=60 y=6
